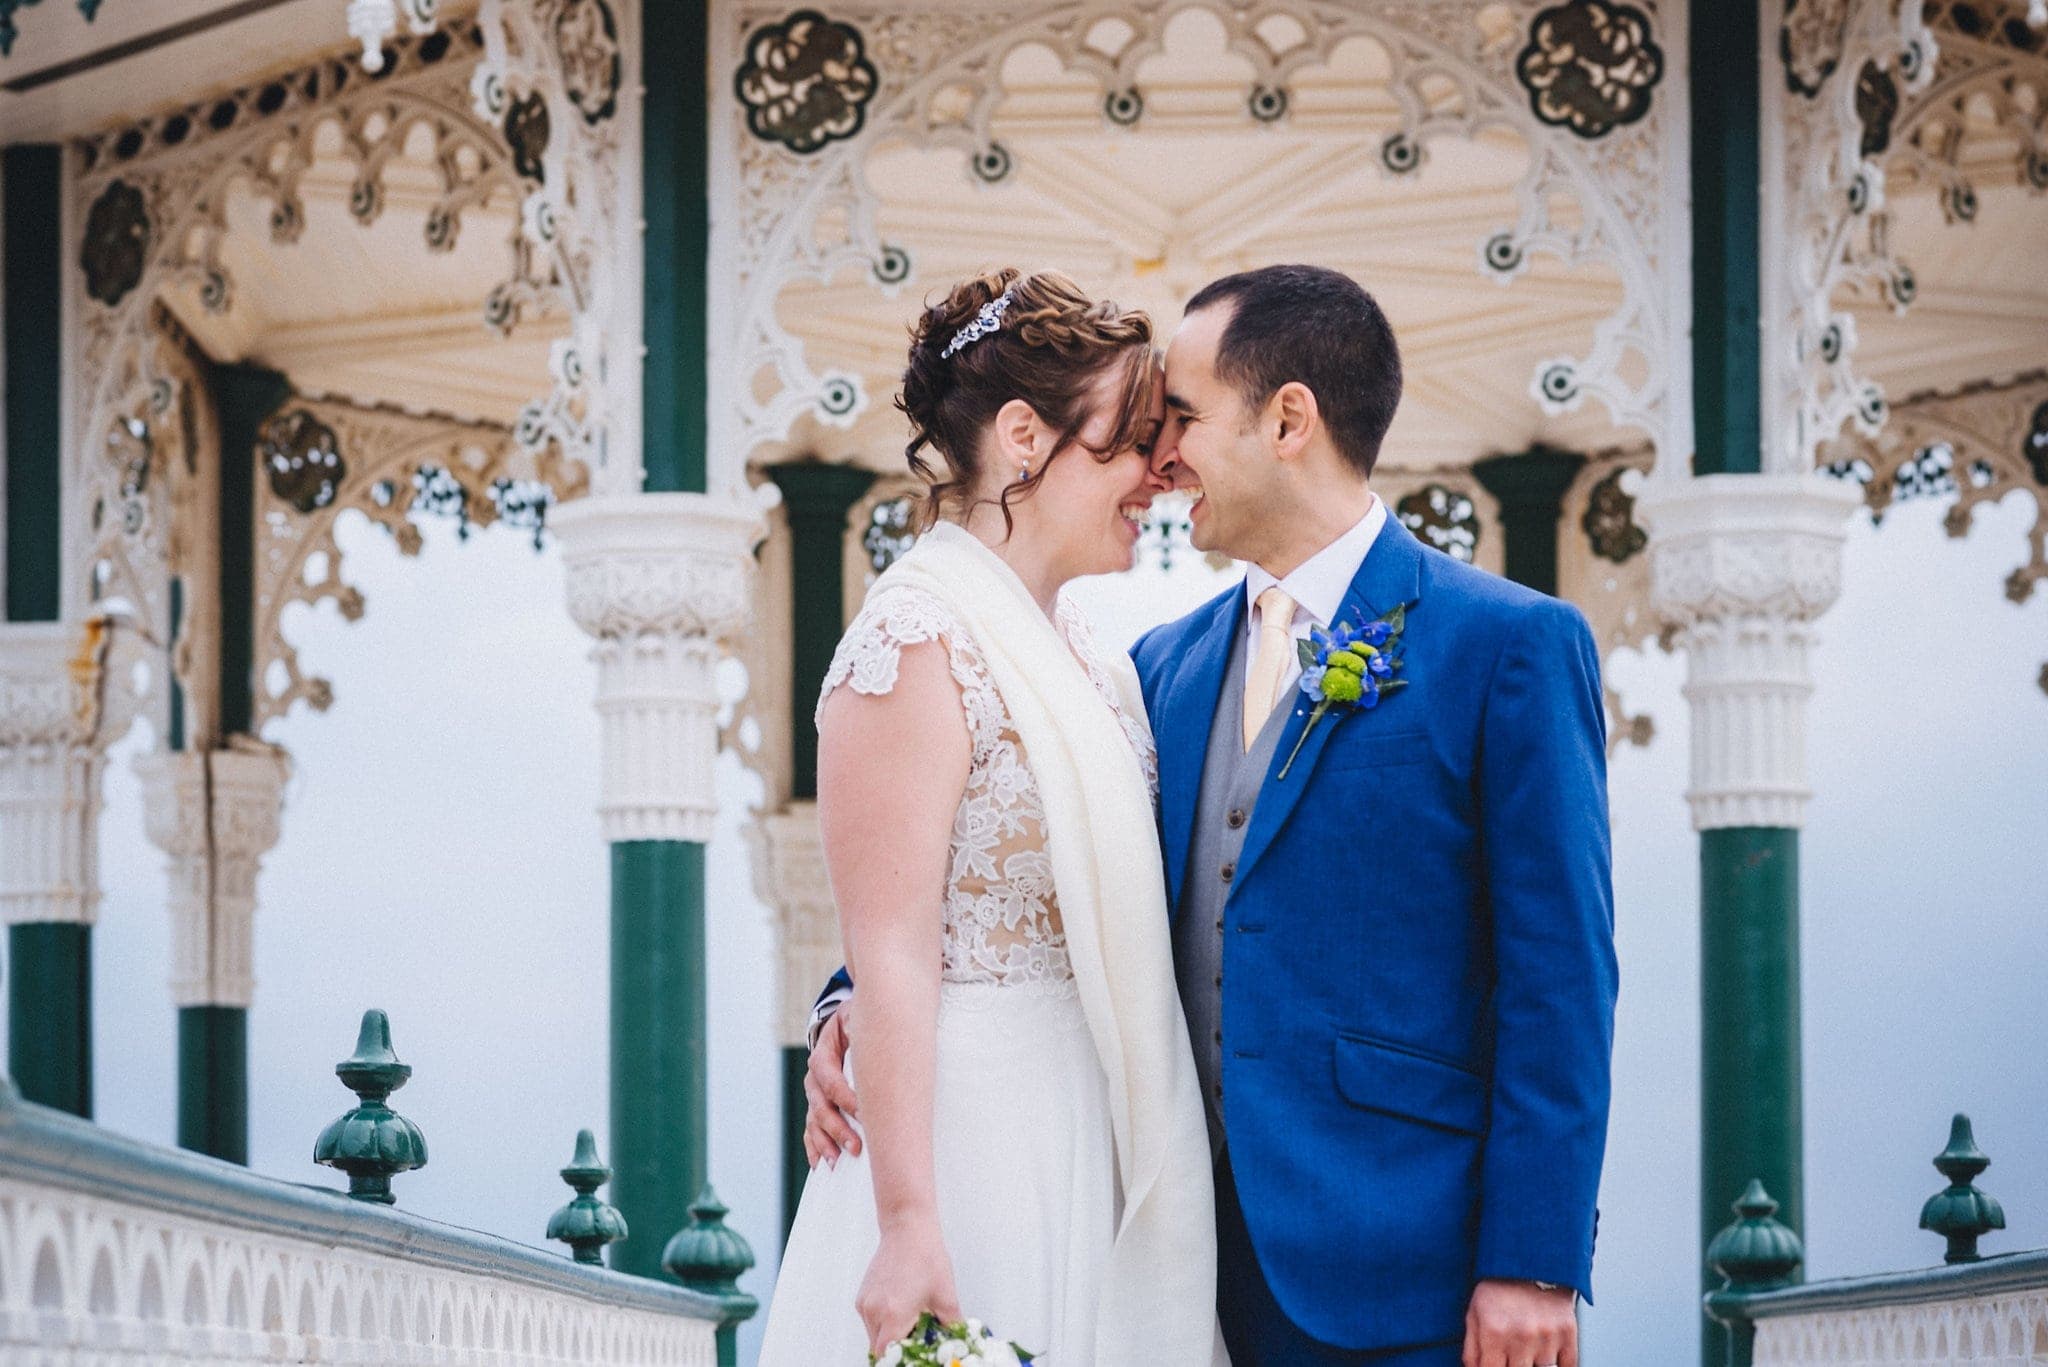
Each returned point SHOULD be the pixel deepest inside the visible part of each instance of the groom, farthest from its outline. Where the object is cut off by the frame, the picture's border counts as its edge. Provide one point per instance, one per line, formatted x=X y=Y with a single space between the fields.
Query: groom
x=1392 y=923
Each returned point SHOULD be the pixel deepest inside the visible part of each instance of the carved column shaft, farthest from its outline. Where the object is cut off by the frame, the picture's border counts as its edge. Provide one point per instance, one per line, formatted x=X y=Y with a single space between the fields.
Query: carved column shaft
x=1741 y=566
x=662 y=581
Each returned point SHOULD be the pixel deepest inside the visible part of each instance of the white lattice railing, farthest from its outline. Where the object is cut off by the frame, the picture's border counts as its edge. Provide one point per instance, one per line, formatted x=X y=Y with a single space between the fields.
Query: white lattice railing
x=115 y=1251
x=1992 y=1313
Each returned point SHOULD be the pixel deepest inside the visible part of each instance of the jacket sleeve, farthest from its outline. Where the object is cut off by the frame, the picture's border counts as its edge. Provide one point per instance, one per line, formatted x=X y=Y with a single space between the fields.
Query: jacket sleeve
x=837 y=990
x=1549 y=879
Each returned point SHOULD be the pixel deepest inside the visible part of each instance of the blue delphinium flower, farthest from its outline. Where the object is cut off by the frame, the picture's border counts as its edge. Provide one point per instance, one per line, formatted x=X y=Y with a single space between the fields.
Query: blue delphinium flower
x=1312 y=681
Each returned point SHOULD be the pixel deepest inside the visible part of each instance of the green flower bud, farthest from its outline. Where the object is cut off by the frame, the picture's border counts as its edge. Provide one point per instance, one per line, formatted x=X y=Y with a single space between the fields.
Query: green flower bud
x=1345 y=659
x=1341 y=685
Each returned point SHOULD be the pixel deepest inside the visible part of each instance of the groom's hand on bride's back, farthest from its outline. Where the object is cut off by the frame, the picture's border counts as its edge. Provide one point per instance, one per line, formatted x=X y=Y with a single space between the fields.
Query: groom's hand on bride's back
x=828 y=1123
x=1521 y=1324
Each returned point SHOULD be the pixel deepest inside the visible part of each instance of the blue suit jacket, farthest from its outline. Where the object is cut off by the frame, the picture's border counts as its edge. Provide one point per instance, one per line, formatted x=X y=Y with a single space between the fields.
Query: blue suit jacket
x=1419 y=973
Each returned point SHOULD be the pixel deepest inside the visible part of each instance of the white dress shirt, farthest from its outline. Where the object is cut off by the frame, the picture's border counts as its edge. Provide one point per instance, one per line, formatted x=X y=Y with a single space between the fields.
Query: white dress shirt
x=1317 y=586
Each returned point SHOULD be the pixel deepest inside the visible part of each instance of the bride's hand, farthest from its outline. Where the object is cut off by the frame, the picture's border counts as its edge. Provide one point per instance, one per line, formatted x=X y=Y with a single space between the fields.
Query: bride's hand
x=911 y=1273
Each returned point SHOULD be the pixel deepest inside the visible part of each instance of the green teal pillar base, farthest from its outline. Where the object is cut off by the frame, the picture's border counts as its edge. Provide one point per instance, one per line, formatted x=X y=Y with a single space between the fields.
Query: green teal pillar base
x=658 y=1105
x=795 y=1168
x=1750 y=1093
x=49 y=1013
x=213 y=1081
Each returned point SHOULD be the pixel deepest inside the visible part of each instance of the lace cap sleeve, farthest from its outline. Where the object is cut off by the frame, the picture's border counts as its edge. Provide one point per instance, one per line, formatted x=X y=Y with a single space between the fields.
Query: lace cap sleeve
x=872 y=648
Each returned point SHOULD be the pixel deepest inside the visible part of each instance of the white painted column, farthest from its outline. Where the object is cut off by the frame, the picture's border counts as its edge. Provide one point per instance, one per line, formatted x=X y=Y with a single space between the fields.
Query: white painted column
x=50 y=676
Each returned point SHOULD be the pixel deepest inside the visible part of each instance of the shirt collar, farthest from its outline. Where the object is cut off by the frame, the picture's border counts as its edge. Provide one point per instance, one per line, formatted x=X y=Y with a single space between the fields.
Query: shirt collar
x=1319 y=583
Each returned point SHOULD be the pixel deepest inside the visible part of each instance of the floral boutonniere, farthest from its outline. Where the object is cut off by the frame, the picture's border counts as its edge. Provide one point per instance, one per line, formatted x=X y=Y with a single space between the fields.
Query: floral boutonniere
x=1349 y=666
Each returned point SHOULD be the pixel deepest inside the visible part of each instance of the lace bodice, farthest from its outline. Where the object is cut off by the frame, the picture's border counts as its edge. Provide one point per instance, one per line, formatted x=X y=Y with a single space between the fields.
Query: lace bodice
x=1001 y=913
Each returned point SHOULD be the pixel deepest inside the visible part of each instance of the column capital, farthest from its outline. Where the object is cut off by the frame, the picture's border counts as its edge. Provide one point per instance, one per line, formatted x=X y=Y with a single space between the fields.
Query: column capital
x=215 y=814
x=1741 y=566
x=50 y=758
x=661 y=580
x=1746 y=545
x=789 y=875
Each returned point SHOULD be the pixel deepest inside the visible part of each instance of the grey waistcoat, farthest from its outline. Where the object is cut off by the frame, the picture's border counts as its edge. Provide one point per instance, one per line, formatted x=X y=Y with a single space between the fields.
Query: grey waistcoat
x=1231 y=778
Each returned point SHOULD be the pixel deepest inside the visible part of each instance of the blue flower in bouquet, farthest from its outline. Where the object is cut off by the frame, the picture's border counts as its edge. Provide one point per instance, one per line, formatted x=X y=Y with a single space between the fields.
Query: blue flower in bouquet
x=1349 y=667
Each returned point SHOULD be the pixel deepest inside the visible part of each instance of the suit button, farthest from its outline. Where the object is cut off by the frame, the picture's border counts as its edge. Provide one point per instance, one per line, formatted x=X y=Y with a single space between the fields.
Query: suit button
x=1236 y=818
x=1230 y=871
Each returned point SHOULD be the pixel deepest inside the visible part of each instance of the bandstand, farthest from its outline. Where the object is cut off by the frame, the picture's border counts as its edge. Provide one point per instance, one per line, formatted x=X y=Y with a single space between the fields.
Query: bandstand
x=1681 y=291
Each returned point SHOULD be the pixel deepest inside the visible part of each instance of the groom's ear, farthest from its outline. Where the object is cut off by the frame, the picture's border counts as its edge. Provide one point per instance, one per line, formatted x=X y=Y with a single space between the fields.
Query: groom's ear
x=1295 y=418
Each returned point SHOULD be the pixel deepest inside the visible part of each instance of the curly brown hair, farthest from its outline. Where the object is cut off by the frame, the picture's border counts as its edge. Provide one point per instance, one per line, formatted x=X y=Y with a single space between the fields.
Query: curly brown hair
x=1053 y=343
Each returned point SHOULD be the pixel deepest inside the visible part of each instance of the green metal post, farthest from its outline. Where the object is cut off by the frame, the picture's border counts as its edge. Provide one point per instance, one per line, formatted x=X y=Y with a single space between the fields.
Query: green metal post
x=1751 y=1103
x=31 y=180
x=49 y=1013
x=213 y=1081
x=816 y=499
x=213 y=1038
x=49 y=999
x=1726 y=351
x=659 y=1063
x=675 y=198
x=1530 y=488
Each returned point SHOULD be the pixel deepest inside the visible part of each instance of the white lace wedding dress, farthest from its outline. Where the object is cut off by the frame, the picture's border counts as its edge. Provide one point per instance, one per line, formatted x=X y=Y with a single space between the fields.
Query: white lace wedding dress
x=1023 y=1147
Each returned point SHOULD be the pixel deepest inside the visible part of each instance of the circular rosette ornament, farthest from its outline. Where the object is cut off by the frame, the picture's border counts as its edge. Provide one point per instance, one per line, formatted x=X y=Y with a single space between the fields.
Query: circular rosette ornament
x=806 y=82
x=1590 y=66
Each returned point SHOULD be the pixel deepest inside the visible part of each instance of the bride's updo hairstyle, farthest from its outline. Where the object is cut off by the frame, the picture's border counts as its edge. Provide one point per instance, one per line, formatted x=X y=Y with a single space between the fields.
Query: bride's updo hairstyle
x=1050 y=345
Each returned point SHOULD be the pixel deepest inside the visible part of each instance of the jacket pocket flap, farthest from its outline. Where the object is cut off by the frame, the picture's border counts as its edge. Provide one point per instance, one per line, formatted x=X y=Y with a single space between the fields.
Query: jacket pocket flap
x=1379 y=1077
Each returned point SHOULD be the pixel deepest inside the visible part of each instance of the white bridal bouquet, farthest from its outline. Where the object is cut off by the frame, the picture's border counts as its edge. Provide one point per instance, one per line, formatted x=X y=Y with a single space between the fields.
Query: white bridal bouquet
x=932 y=1344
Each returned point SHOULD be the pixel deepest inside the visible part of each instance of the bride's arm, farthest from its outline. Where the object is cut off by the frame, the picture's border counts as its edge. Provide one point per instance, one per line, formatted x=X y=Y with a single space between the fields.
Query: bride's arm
x=891 y=771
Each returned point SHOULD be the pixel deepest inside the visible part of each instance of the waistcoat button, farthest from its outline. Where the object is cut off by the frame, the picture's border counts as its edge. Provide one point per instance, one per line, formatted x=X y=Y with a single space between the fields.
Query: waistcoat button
x=1236 y=818
x=1229 y=870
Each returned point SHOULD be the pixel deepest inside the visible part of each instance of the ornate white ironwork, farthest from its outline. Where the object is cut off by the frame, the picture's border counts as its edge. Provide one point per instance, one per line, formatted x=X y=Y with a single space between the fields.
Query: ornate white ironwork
x=215 y=813
x=394 y=465
x=662 y=581
x=809 y=216
x=1974 y=445
x=1741 y=566
x=52 y=677
x=1985 y=1331
x=1890 y=86
x=1604 y=569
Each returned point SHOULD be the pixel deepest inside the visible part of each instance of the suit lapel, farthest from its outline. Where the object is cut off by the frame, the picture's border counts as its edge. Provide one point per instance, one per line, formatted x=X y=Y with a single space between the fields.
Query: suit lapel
x=1392 y=574
x=1189 y=711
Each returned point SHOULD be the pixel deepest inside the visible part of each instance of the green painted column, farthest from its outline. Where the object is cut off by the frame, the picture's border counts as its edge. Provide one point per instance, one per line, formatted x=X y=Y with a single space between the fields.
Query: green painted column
x=816 y=499
x=1726 y=284
x=659 y=1061
x=1530 y=489
x=49 y=1000
x=1751 y=1098
x=675 y=198
x=213 y=1036
x=1751 y=1102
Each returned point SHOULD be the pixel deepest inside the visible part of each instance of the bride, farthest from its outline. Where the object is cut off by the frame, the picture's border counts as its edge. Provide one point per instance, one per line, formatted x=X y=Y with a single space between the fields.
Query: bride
x=1035 y=1153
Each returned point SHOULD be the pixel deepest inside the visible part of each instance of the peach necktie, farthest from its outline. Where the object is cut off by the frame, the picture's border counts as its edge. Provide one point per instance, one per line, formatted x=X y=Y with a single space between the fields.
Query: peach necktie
x=1269 y=665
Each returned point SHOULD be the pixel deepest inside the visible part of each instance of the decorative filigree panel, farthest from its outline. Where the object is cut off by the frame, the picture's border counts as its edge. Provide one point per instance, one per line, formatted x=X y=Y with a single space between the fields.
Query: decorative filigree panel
x=390 y=467
x=1602 y=569
x=1442 y=517
x=1975 y=446
x=803 y=211
x=1918 y=72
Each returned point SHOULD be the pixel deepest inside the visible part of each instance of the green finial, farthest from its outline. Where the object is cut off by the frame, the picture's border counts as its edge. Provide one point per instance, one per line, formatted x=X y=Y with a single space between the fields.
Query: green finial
x=1961 y=1214
x=705 y=1255
x=1757 y=1252
x=587 y=1224
x=372 y=1143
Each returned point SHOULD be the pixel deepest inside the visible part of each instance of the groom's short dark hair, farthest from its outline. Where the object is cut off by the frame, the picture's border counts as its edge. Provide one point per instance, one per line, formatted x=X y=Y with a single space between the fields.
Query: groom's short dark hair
x=1319 y=327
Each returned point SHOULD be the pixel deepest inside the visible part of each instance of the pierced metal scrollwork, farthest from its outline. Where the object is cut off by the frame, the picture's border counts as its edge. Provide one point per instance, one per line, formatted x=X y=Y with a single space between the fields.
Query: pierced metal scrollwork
x=116 y=243
x=1877 y=104
x=806 y=82
x=1444 y=517
x=8 y=32
x=1590 y=66
x=1810 y=40
x=526 y=133
x=1610 y=520
x=302 y=457
x=2034 y=447
x=587 y=46
x=891 y=530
